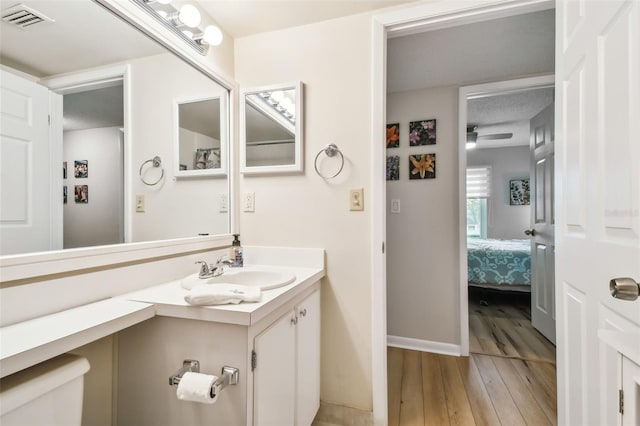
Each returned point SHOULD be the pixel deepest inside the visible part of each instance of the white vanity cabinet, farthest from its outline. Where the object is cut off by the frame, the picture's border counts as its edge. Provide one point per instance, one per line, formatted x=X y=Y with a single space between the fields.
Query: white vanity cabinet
x=631 y=392
x=286 y=357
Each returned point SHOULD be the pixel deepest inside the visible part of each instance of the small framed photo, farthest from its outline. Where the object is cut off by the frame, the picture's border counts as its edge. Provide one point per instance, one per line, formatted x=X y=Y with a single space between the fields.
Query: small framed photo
x=422 y=166
x=81 y=169
x=64 y=170
x=393 y=135
x=519 y=192
x=64 y=194
x=422 y=132
x=207 y=158
x=81 y=194
x=393 y=167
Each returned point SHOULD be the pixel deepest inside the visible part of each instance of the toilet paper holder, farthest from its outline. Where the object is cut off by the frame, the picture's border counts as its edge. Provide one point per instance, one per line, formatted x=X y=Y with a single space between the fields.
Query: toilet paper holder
x=229 y=376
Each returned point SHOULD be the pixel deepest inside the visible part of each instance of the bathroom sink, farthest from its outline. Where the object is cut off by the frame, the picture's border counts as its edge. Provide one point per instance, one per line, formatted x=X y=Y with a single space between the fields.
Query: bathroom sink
x=254 y=277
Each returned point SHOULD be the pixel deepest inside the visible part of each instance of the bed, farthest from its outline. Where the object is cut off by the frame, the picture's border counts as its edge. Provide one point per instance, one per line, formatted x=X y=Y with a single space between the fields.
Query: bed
x=499 y=264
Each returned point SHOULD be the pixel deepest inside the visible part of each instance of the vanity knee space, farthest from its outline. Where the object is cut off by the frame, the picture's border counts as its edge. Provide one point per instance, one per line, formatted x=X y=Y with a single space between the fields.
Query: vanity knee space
x=278 y=357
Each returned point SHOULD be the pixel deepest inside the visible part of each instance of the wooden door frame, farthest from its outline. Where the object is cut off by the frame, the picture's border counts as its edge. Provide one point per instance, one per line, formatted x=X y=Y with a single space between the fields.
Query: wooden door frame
x=478 y=90
x=397 y=22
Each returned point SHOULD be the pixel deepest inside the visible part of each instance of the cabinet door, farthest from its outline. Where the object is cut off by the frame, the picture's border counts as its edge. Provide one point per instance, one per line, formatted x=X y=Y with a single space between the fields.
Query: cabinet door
x=308 y=360
x=274 y=375
x=631 y=389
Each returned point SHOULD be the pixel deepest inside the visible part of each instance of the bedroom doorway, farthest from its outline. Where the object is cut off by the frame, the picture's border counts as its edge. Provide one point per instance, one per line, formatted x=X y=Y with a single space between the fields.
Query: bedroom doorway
x=508 y=179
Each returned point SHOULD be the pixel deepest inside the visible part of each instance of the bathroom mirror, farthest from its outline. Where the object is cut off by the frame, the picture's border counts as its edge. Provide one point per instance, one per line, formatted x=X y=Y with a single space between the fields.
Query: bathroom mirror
x=113 y=106
x=200 y=137
x=271 y=127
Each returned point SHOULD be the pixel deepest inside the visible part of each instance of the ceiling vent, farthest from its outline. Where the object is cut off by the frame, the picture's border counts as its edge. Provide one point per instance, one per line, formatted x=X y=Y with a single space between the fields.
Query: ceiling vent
x=23 y=16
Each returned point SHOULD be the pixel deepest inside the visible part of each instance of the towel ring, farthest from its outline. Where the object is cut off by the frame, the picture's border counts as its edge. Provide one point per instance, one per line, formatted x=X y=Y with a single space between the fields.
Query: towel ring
x=331 y=150
x=157 y=162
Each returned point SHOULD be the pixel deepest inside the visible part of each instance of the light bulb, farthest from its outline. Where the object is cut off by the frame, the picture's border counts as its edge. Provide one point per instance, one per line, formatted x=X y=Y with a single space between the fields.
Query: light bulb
x=189 y=15
x=287 y=104
x=212 y=35
x=188 y=33
x=163 y=14
x=277 y=96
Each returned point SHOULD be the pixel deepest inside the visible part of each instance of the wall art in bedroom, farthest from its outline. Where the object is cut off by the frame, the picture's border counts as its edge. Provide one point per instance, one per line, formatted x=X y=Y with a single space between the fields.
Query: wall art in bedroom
x=81 y=194
x=422 y=166
x=422 y=132
x=393 y=167
x=519 y=194
x=81 y=168
x=393 y=135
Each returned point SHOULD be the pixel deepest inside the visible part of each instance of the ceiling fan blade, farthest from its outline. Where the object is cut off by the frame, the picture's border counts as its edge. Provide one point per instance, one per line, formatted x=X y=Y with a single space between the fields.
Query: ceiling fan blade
x=496 y=136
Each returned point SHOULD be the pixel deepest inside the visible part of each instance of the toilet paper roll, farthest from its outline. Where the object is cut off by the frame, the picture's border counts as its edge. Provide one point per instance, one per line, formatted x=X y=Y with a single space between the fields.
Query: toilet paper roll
x=196 y=387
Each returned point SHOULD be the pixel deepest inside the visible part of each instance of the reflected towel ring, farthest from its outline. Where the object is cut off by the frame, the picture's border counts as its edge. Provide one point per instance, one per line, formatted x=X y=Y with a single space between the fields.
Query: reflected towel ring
x=157 y=162
x=331 y=150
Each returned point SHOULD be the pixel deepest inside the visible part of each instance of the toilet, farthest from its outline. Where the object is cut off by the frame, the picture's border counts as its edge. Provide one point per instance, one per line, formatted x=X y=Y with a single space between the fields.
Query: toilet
x=49 y=393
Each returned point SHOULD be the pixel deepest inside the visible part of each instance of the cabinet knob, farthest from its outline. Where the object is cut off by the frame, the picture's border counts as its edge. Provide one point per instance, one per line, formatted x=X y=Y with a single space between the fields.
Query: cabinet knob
x=294 y=320
x=303 y=312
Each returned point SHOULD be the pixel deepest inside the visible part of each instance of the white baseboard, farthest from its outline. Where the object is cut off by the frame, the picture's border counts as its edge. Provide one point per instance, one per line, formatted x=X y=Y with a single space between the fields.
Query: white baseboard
x=424 y=345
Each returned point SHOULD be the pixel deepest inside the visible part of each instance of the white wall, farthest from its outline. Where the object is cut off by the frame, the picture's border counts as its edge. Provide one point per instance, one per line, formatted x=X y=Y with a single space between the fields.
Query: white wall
x=175 y=207
x=505 y=221
x=333 y=60
x=100 y=221
x=422 y=240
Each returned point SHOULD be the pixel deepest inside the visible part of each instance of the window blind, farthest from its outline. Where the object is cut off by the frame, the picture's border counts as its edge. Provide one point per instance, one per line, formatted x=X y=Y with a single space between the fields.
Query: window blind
x=478 y=182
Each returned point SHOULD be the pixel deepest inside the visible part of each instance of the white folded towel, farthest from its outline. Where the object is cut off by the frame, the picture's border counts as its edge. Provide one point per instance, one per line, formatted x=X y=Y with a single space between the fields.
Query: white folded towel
x=221 y=294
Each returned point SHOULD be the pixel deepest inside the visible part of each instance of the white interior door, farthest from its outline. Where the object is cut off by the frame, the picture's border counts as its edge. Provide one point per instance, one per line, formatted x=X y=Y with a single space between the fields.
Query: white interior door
x=25 y=166
x=597 y=192
x=631 y=389
x=543 y=313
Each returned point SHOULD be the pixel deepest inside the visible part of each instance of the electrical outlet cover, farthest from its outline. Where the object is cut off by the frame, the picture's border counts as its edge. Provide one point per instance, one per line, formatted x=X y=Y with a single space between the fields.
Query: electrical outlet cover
x=356 y=199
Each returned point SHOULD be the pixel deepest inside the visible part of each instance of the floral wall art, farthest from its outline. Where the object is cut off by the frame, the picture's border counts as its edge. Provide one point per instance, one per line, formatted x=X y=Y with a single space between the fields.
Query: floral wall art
x=393 y=167
x=422 y=132
x=422 y=166
x=393 y=135
x=519 y=192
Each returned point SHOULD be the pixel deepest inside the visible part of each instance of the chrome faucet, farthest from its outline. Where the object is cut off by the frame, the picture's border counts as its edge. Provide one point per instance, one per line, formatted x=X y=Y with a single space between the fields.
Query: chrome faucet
x=213 y=270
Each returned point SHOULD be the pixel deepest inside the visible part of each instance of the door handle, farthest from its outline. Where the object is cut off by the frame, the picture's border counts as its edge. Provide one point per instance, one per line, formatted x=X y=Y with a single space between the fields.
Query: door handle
x=624 y=288
x=530 y=232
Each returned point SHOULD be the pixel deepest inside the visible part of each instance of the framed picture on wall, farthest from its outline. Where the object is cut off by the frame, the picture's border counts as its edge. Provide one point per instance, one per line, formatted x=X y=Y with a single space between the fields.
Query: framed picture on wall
x=393 y=135
x=422 y=166
x=393 y=167
x=64 y=170
x=64 y=194
x=422 y=132
x=81 y=194
x=207 y=158
x=519 y=194
x=81 y=168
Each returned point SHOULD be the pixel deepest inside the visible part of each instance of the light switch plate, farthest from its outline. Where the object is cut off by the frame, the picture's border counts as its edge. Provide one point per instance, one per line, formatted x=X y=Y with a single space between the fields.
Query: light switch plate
x=356 y=199
x=249 y=202
x=139 y=203
x=224 y=203
x=395 y=205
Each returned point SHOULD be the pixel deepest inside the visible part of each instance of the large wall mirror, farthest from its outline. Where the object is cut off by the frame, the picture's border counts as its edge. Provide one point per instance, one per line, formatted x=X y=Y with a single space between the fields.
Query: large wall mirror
x=271 y=131
x=77 y=182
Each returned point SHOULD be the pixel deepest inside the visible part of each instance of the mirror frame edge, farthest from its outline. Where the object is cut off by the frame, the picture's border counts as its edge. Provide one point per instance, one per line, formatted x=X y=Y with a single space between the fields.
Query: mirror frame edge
x=298 y=166
x=26 y=266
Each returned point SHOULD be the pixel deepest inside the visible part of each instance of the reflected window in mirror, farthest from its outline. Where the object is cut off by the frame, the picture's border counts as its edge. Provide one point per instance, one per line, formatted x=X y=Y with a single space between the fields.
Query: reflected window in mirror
x=271 y=129
x=201 y=137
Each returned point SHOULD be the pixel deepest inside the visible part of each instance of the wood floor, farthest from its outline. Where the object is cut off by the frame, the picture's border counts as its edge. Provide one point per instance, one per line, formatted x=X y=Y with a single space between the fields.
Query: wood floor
x=516 y=385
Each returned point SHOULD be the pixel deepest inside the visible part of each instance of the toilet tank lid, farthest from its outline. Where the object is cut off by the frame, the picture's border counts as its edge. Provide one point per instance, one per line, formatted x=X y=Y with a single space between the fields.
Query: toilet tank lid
x=28 y=384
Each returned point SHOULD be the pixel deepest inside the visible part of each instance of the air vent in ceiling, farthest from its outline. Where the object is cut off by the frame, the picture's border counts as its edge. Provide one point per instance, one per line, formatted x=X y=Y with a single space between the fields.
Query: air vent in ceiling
x=24 y=16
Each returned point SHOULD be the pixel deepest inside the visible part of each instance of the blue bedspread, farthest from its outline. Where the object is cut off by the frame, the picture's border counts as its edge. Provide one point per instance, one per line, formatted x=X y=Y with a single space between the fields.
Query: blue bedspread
x=499 y=262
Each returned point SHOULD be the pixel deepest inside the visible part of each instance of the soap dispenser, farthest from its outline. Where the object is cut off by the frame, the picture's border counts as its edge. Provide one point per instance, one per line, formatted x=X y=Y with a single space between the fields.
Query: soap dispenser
x=238 y=260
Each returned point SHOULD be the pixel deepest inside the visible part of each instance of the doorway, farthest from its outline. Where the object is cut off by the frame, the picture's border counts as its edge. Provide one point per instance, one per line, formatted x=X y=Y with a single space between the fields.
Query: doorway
x=454 y=343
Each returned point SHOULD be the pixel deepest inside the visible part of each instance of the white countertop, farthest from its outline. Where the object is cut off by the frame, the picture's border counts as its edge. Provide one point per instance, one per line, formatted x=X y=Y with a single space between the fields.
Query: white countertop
x=30 y=342
x=168 y=299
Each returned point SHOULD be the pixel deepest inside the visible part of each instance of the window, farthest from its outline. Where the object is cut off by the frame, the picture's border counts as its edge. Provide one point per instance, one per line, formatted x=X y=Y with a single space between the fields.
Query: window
x=478 y=192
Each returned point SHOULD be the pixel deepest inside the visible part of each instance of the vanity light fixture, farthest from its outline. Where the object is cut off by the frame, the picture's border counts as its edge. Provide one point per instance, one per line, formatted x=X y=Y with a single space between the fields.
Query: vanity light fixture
x=184 y=22
x=283 y=105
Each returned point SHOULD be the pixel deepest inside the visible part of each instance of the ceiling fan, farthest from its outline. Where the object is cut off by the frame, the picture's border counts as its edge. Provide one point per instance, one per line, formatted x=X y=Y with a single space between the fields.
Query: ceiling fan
x=472 y=136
